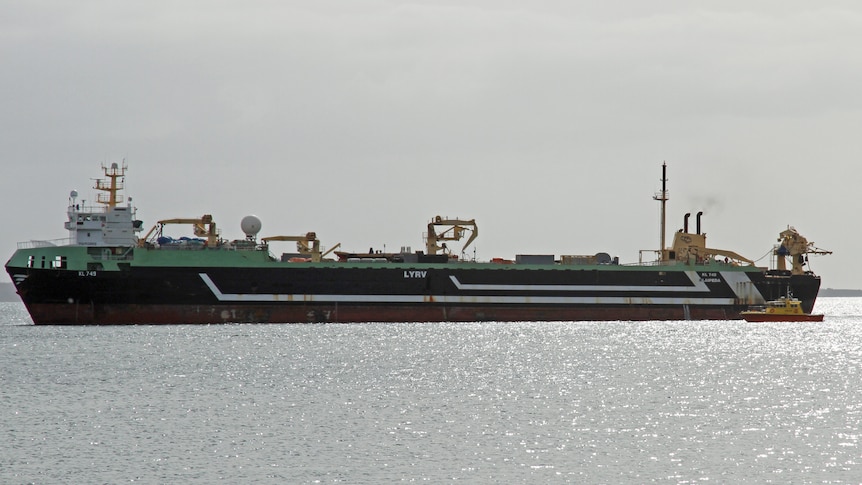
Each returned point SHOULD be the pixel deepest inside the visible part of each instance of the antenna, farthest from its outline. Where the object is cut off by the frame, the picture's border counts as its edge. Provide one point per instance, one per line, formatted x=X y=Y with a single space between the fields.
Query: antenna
x=663 y=197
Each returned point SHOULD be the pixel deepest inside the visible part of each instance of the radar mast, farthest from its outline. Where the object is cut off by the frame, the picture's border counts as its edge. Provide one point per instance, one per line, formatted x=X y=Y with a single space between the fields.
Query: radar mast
x=663 y=197
x=111 y=185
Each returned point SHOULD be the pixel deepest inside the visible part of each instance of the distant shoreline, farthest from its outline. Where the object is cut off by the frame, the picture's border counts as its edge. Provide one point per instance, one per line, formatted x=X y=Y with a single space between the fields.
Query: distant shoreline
x=829 y=292
x=7 y=293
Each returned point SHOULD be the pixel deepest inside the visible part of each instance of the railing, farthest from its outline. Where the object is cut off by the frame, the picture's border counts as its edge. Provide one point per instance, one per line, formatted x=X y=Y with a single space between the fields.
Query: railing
x=45 y=243
x=648 y=263
x=126 y=256
x=87 y=208
x=654 y=262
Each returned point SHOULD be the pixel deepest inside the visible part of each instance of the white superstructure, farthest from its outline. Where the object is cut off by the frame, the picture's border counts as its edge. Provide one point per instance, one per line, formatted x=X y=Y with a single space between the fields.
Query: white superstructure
x=108 y=224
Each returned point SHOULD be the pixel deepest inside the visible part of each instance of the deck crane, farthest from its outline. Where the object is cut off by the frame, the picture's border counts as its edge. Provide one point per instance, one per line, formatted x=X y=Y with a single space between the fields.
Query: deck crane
x=203 y=227
x=454 y=231
x=793 y=244
x=308 y=244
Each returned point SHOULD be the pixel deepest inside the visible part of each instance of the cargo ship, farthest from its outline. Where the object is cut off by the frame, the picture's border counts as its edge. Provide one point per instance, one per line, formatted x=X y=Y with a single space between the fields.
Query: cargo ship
x=107 y=273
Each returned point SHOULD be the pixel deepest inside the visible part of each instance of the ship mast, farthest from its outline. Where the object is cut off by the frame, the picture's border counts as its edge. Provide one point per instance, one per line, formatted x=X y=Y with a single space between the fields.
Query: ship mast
x=111 y=185
x=662 y=197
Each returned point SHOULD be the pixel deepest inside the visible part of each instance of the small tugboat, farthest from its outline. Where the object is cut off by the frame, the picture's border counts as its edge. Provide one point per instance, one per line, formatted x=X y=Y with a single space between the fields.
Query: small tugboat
x=783 y=310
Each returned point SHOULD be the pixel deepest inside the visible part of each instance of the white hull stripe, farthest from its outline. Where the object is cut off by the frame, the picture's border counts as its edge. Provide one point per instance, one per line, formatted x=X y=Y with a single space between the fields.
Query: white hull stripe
x=698 y=286
x=505 y=300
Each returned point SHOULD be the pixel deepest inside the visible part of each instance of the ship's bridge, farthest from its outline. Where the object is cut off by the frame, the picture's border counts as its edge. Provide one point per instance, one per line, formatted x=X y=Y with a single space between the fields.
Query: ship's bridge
x=109 y=224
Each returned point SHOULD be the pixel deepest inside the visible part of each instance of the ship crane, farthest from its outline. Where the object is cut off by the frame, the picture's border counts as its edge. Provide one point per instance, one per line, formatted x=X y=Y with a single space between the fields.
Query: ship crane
x=203 y=227
x=454 y=231
x=793 y=244
x=308 y=244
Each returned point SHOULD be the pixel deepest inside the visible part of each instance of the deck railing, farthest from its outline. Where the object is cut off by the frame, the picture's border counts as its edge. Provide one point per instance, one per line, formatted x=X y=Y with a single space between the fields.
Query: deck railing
x=46 y=243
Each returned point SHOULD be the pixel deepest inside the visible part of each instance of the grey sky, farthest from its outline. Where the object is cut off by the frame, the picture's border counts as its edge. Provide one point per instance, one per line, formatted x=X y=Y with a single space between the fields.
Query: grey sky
x=546 y=121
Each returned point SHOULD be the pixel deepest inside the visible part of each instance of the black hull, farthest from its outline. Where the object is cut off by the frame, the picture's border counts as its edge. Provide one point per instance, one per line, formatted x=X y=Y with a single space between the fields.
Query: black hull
x=311 y=294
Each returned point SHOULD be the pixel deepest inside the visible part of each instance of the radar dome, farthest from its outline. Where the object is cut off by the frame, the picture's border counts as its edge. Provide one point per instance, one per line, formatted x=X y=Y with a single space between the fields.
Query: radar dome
x=250 y=225
x=73 y=194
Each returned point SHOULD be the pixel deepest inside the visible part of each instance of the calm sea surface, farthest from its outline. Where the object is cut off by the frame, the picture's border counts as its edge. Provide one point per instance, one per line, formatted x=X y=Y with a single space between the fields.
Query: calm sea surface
x=564 y=402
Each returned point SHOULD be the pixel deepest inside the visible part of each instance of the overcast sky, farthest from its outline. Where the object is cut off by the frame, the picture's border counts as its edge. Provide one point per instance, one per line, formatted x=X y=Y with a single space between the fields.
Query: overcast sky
x=546 y=121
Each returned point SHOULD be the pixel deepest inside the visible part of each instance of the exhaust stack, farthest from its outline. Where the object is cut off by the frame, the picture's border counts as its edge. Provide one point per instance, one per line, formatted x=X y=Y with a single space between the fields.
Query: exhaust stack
x=698 y=221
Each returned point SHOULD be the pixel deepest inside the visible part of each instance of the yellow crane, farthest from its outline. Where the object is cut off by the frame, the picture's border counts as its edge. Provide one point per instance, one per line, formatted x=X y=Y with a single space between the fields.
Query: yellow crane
x=308 y=244
x=793 y=244
x=203 y=227
x=454 y=231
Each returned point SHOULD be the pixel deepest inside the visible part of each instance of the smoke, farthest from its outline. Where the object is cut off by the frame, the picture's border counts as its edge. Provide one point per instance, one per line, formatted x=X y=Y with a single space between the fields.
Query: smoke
x=709 y=204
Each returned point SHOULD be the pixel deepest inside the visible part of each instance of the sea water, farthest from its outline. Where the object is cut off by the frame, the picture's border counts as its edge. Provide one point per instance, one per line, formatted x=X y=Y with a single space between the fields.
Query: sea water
x=557 y=402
